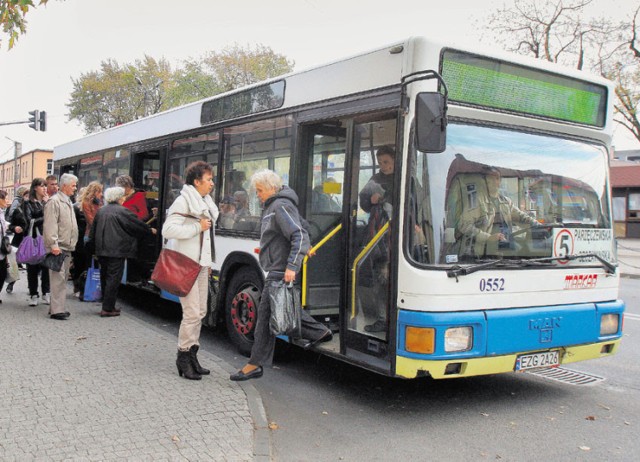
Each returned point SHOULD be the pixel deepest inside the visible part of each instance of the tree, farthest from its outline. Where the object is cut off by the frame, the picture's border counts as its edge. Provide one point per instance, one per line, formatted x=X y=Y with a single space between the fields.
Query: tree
x=235 y=66
x=559 y=31
x=12 y=17
x=218 y=72
x=120 y=93
x=623 y=67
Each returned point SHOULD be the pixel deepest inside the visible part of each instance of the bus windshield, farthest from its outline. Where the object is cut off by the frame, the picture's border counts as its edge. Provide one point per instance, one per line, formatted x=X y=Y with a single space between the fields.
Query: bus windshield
x=501 y=194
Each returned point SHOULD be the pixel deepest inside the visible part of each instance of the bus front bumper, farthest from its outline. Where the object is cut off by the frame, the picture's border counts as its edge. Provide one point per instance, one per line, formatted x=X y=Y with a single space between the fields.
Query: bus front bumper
x=454 y=368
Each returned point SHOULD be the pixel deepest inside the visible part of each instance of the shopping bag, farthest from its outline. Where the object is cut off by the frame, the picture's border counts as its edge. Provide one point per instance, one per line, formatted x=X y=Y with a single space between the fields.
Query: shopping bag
x=54 y=262
x=92 y=289
x=175 y=272
x=31 y=250
x=5 y=245
x=286 y=310
x=13 y=272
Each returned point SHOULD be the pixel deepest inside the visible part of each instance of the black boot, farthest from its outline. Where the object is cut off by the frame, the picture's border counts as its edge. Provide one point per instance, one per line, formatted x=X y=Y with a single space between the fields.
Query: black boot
x=194 y=360
x=185 y=366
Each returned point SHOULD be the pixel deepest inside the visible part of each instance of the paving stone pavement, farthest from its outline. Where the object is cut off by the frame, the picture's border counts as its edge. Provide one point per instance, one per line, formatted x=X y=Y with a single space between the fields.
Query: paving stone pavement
x=92 y=388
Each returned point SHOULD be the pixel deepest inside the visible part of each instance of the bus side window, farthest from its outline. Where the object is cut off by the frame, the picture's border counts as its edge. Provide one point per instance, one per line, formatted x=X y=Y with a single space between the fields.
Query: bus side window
x=248 y=148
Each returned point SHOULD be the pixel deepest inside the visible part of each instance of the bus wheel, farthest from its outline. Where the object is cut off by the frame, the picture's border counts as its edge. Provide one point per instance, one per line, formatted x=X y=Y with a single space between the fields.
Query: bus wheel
x=243 y=298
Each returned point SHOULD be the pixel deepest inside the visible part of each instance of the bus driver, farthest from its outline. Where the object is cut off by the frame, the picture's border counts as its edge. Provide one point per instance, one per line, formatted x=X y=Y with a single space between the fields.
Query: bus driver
x=487 y=226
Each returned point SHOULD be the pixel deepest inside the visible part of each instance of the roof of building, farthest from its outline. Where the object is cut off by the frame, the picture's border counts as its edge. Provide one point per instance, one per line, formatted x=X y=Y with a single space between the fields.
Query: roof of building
x=625 y=174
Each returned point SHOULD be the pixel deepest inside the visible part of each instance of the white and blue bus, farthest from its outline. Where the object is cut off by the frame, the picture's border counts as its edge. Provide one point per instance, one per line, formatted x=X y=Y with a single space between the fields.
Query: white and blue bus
x=492 y=250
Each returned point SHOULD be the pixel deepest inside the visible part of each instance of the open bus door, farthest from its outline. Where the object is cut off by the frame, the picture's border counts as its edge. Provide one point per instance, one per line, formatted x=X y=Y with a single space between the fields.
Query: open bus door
x=347 y=284
x=145 y=174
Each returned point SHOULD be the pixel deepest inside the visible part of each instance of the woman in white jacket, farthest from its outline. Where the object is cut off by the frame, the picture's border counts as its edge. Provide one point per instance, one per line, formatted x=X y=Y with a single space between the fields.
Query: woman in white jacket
x=189 y=229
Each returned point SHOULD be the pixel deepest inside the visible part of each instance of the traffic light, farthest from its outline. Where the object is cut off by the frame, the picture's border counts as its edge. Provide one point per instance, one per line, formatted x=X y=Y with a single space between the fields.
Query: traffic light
x=43 y=121
x=34 y=120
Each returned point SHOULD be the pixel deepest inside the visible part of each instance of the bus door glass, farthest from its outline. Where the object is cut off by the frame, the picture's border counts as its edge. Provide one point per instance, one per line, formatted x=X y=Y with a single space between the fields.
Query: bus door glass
x=326 y=151
x=349 y=206
x=143 y=201
x=371 y=212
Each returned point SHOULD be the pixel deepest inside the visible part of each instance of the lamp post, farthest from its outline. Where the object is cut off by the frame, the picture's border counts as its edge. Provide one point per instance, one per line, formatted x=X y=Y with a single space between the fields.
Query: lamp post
x=146 y=92
x=17 y=152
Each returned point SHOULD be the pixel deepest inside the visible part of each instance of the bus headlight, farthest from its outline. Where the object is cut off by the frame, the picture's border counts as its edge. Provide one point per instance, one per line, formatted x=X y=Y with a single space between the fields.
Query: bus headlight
x=458 y=339
x=609 y=324
x=419 y=339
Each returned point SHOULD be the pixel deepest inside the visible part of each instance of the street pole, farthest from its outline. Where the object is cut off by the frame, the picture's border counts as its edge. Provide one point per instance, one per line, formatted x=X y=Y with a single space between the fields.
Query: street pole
x=17 y=152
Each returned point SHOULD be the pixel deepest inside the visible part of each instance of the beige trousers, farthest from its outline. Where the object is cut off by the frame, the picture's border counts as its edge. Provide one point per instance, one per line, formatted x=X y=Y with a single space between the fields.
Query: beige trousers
x=58 y=286
x=194 y=309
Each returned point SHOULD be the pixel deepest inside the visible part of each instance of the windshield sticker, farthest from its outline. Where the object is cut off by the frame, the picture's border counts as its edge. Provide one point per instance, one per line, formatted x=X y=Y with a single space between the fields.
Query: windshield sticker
x=578 y=241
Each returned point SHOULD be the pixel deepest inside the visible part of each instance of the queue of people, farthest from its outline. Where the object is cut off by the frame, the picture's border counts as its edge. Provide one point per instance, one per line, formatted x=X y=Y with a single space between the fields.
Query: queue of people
x=47 y=209
x=101 y=224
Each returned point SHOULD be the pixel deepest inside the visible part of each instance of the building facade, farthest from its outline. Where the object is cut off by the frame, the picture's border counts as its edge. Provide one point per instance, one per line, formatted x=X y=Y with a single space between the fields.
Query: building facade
x=625 y=191
x=20 y=171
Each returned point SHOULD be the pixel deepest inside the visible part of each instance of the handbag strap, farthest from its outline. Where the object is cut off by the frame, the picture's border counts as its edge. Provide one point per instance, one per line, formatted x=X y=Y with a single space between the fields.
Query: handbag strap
x=31 y=225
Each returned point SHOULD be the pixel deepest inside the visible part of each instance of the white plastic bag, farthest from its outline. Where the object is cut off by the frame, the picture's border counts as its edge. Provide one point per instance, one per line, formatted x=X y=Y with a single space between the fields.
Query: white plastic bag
x=13 y=273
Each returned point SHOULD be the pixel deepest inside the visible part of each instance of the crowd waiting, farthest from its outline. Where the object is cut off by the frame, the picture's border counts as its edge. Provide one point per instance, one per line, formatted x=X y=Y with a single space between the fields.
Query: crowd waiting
x=67 y=221
x=78 y=226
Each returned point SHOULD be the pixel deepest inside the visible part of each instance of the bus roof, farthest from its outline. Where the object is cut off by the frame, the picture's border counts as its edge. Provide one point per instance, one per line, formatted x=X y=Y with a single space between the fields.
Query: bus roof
x=346 y=76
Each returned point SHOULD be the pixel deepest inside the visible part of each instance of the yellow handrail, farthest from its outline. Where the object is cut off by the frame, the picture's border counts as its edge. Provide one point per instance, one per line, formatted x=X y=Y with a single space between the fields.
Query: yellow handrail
x=312 y=252
x=360 y=256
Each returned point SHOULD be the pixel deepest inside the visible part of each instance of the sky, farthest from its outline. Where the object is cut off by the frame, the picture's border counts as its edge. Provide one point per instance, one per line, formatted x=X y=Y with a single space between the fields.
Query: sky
x=67 y=38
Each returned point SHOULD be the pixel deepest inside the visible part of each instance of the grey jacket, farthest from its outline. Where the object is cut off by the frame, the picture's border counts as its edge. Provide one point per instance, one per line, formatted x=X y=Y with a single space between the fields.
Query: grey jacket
x=60 y=225
x=283 y=240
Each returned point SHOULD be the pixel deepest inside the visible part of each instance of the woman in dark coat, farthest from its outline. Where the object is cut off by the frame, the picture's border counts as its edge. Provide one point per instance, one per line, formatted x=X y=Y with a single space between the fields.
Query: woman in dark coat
x=113 y=238
x=33 y=209
x=17 y=223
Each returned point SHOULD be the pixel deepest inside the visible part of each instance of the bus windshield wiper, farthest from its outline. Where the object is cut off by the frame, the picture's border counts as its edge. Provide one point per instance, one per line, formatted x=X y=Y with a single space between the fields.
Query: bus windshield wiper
x=458 y=270
x=607 y=265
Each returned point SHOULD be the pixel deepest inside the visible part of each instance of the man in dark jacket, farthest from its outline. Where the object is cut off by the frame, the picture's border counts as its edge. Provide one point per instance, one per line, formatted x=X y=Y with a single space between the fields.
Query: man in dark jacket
x=114 y=237
x=283 y=245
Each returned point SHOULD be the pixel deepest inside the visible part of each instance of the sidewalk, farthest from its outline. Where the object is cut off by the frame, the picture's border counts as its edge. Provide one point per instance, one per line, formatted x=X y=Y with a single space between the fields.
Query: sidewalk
x=629 y=257
x=93 y=388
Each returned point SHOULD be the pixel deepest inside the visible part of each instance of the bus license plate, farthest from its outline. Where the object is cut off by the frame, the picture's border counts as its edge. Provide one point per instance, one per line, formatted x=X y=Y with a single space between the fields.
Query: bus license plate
x=546 y=359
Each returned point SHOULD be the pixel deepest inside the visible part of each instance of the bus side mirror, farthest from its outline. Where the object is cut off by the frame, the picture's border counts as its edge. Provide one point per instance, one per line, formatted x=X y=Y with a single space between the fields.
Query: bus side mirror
x=431 y=122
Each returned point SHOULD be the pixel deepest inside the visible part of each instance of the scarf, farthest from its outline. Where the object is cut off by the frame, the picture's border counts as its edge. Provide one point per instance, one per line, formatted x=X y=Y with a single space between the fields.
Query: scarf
x=199 y=206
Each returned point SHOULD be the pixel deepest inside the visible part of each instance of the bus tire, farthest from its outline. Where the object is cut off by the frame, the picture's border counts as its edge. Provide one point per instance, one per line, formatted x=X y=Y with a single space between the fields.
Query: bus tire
x=241 y=308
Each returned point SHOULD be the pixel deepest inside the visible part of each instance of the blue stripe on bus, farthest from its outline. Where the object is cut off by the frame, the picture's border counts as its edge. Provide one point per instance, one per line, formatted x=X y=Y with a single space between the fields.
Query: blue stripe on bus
x=166 y=295
x=506 y=331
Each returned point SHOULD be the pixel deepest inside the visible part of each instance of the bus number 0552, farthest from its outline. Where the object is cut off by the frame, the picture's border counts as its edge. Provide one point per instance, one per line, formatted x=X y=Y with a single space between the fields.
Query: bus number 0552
x=492 y=285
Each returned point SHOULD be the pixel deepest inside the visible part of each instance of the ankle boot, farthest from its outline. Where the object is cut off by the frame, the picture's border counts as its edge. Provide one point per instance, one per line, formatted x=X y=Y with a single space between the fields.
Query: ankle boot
x=185 y=366
x=194 y=360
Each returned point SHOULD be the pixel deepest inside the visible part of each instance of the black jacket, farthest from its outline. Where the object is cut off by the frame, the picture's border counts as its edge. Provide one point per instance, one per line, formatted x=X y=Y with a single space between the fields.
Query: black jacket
x=33 y=210
x=283 y=240
x=115 y=232
x=82 y=227
x=17 y=219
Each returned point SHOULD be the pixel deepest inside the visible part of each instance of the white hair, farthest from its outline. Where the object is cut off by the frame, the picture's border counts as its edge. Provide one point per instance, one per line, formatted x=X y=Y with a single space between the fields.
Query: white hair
x=67 y=178
x=267 y=178
x=113 y=195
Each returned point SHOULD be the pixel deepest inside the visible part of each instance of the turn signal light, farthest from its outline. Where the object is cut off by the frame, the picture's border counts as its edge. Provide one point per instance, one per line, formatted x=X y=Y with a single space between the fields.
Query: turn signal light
x=420 y=339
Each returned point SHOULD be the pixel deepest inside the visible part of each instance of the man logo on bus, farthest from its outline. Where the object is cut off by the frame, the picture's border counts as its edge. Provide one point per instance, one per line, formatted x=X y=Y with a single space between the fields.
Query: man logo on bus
x=563 y=245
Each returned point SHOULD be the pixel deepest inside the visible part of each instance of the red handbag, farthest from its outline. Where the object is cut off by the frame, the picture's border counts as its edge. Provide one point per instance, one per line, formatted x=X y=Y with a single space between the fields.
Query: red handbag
x=175 y=272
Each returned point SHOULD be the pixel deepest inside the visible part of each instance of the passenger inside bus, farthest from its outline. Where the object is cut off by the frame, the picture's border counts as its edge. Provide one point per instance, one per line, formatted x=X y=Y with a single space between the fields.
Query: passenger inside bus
x=376 y=198
x=227 y=217
x=486 y=222
x=322 y=202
